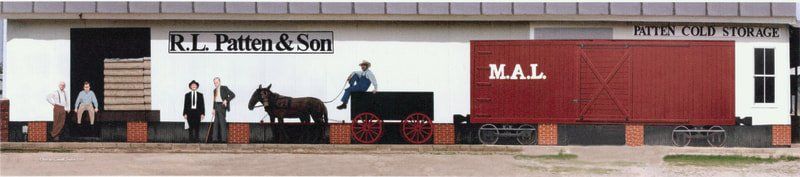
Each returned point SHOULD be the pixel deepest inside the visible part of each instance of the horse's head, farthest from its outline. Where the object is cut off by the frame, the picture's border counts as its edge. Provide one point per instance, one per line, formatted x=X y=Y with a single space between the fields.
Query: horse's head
x=261 y=95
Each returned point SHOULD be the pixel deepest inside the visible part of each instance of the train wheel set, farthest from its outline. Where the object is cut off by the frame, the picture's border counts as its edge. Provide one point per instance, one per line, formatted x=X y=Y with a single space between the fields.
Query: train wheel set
x=682 y=135
x=526 y=134
x=490 y=133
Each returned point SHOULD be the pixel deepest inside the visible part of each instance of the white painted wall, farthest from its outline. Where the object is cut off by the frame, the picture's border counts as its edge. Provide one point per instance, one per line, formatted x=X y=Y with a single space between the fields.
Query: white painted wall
x=37 y=58
x=406 y=56
x=763 y=114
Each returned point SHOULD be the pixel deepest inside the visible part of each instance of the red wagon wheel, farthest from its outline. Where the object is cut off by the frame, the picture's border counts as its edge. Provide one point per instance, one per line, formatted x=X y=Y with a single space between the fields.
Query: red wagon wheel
x=417 y=128
x=367 y=128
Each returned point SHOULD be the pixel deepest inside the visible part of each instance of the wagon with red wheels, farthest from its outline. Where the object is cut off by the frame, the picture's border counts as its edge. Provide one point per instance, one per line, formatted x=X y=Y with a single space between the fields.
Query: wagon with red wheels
x=412 y=110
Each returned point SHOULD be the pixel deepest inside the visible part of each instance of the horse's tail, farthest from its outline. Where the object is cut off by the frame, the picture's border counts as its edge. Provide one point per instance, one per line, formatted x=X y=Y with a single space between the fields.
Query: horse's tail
x=325 y=125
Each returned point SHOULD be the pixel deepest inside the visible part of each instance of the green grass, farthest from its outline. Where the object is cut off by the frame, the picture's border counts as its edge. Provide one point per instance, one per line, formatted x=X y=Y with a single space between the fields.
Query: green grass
x=723 y=160
x=560 y=156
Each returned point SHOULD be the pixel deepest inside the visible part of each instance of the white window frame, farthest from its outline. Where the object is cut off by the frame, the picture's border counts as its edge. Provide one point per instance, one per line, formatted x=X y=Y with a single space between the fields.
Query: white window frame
x=774 y=60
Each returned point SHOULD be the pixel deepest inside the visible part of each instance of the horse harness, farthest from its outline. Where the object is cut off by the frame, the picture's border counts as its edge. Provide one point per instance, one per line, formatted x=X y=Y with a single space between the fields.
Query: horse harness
x=279 y=101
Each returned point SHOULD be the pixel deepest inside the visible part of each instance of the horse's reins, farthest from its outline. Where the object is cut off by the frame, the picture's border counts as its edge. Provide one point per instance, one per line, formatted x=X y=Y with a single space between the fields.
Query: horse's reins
x=338 y=94
x=334 y=98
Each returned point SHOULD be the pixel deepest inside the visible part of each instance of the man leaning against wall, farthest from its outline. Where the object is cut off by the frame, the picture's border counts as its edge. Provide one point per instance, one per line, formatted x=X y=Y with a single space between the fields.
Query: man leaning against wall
x=60 y=109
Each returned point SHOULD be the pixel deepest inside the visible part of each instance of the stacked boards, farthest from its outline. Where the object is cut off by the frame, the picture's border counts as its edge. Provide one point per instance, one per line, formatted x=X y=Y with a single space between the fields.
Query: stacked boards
x=127 y=84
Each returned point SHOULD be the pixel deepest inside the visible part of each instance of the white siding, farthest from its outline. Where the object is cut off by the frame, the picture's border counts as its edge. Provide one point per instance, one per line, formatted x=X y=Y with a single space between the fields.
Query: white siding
x=406 y=56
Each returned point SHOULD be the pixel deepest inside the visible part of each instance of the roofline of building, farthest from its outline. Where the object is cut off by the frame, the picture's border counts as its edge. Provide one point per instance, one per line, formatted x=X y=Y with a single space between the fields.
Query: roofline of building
x=721 y=12
x=429 y=18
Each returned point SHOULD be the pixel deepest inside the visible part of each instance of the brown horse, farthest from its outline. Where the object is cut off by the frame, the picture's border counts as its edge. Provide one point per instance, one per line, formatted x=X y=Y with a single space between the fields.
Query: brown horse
x=280 y=107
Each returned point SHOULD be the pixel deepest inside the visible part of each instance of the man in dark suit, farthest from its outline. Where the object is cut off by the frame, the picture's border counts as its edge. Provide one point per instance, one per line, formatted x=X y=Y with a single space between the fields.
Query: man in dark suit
x=222 y=100
x=194 y=110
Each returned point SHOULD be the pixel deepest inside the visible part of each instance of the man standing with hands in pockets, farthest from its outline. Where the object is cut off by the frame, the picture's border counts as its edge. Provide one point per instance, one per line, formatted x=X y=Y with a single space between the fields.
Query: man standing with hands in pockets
x=60 y=109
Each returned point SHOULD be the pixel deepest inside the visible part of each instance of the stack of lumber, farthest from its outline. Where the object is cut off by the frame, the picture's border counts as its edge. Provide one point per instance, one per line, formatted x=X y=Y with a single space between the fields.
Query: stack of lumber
x=127 y=84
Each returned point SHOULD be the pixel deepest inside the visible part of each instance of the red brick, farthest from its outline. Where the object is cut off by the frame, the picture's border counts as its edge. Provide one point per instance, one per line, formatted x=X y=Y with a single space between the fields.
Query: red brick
x=634 y=134
x=137 y=132
x=444 y=134
x=4 y=113
x=548 y=134
x=782 y=135
x=339 y=133
x=238 y=133
x=37 y=131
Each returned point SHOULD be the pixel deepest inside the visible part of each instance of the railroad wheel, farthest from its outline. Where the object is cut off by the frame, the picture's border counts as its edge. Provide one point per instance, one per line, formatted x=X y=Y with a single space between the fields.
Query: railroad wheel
x=681 y=136
x=488 y=134
x=527 y=135
x=716 y=136
x=367 y=128
x=417 y=128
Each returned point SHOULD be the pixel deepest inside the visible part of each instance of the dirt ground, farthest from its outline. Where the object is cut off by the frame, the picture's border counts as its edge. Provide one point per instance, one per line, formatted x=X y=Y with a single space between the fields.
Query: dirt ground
x=588 y=163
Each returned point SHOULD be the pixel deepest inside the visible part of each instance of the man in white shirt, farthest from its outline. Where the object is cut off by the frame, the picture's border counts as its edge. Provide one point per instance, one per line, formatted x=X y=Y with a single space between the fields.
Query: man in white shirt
x=221 y=99
x=362 y=79
x=194 y=110
x=60 y=109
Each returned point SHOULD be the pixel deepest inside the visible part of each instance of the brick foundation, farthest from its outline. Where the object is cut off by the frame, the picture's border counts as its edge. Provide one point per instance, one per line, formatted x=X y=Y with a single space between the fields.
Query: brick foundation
x=238 y=133
x=4 y=106
x=339 y=133
x=548 y=134
x=782 y=135
x=37 y=131
x=634 y=135
x=137 y=132
x=444 y=134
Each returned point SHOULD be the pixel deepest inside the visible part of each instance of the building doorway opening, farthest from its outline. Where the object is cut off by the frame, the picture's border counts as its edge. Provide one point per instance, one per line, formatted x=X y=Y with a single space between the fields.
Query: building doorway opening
x=90 y=46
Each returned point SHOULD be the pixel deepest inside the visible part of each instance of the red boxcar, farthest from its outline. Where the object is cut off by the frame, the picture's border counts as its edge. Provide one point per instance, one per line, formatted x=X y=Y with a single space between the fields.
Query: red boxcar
x=604 y=82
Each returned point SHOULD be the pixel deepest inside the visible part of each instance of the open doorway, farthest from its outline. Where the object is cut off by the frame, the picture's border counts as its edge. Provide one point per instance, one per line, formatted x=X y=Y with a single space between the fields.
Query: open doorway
x=90 y=46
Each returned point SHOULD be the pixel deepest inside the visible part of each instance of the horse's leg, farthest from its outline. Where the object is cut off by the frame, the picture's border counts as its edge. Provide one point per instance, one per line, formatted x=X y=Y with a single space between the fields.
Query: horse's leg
x=322 y=111
x=274 y=128
x=319 y=128
x=282 y=126
x=303 y=120
x=313 y=128
x=307 y=127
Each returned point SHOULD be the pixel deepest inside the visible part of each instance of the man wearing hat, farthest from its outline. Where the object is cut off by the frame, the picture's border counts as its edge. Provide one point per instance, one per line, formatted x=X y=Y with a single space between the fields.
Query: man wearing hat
x=359 y=82
x=194 y=110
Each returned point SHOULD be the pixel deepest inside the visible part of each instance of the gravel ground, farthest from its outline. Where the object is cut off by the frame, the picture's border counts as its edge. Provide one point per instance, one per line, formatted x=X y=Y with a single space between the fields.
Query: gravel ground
x=590 y=162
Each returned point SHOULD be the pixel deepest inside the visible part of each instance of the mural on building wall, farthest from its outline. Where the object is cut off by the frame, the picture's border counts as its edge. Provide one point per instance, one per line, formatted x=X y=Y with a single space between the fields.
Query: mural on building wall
x=492 y=88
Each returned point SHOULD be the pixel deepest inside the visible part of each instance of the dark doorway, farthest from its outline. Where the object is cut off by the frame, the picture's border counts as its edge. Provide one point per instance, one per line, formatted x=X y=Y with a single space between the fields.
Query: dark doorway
x=90 y=46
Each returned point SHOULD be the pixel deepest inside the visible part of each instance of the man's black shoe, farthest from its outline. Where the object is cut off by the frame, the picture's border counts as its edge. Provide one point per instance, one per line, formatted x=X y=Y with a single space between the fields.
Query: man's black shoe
x=340 y=107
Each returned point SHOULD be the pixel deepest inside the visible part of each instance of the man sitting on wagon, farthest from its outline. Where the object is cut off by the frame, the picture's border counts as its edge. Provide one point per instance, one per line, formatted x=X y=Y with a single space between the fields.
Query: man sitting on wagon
x=359 y=82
